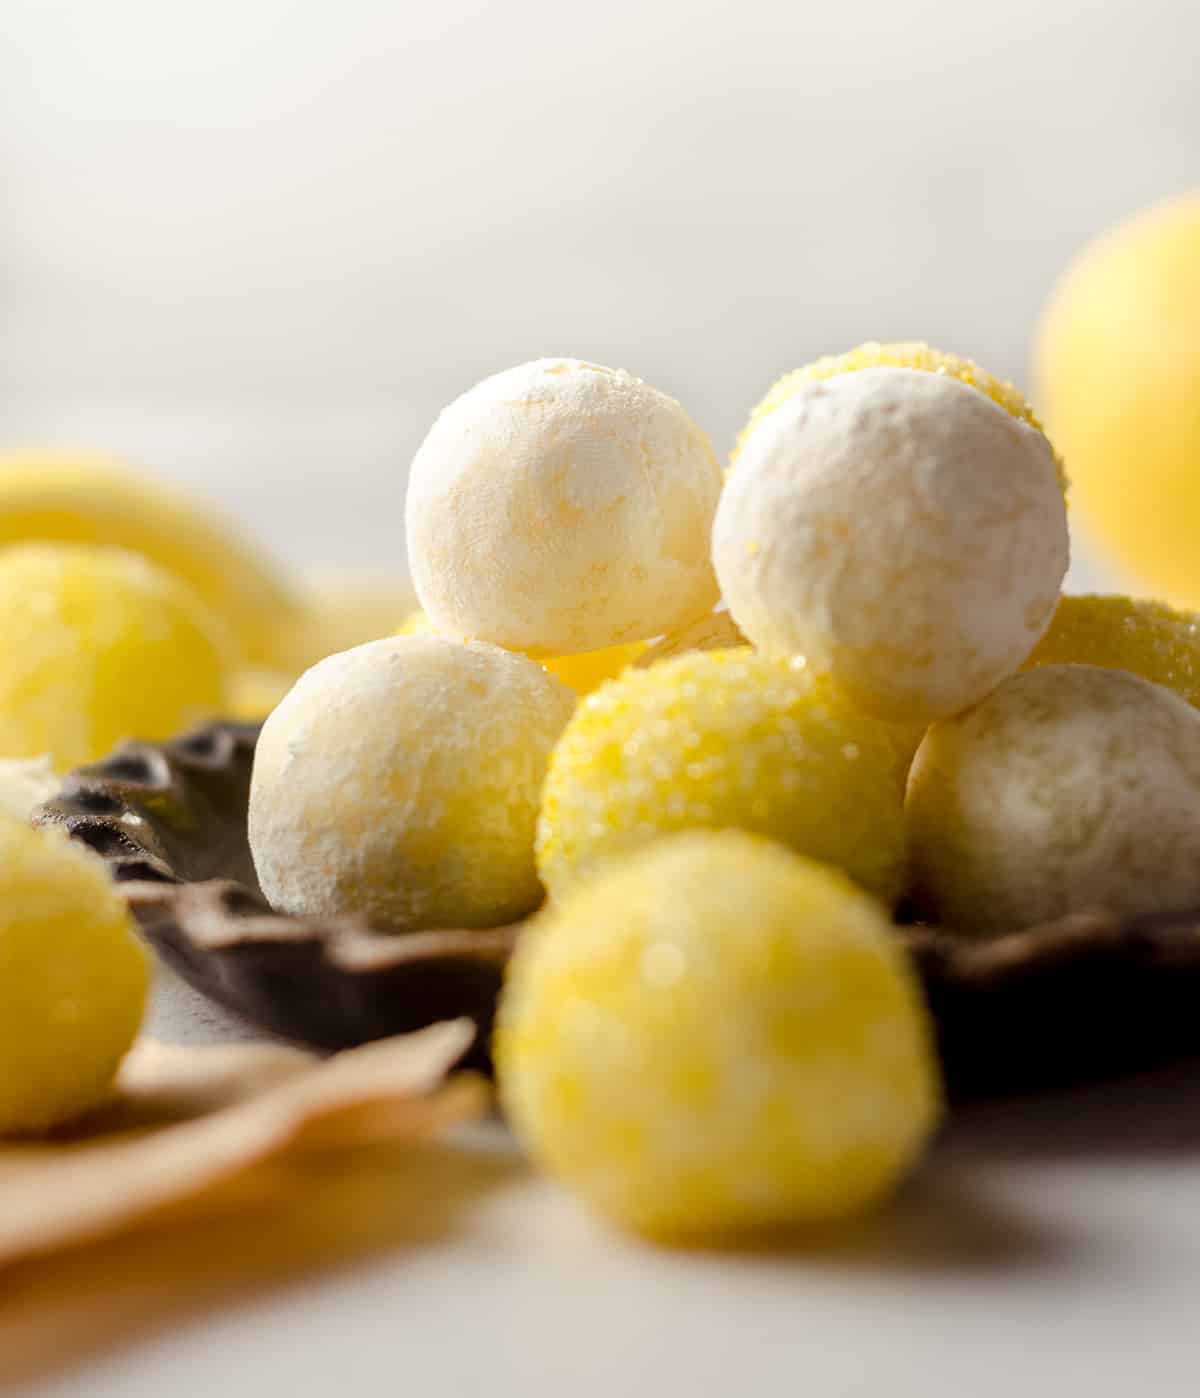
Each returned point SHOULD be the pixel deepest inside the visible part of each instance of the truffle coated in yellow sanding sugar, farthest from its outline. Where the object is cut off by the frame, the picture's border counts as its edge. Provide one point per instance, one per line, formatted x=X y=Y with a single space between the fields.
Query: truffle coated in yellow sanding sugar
x=900 y=530
x=724 y=739
x=1069 y=788
x=716 y=1034
x=1120 y=633
x=73 y=979
x=562 y=506
x=97 y=645
x=81 y=498
x=401 y=780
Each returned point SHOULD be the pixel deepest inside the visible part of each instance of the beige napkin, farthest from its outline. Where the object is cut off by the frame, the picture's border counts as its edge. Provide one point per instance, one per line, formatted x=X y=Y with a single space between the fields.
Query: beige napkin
x=214 y=1170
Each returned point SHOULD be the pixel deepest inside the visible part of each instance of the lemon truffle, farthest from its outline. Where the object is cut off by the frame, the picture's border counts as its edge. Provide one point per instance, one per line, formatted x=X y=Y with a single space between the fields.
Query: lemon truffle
x=401 y=780
x=1120 y=633
x=73 y=979
x=97 y=645
x=717 y=1034
x=899 y=529
x=725 y=739
x=561 y=507
x=1070 y=787
x=77 y=498
x=1118 y=371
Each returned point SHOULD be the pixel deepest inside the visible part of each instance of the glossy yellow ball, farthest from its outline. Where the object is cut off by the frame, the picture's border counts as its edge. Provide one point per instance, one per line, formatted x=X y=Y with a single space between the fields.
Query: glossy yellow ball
x=97 y=645
x=717 y=1034
x=73 y=979
x=724 y=739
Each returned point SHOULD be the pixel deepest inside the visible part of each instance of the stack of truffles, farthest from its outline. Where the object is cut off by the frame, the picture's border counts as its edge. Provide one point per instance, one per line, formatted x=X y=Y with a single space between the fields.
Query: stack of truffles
x=836 y=677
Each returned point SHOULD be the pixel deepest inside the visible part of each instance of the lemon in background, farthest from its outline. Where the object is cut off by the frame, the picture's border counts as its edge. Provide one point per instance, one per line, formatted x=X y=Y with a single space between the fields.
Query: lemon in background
x=1118 y=369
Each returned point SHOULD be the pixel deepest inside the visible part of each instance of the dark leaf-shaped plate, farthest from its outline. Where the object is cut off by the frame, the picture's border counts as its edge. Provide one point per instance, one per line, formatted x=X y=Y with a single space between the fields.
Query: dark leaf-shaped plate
x=1084 y=998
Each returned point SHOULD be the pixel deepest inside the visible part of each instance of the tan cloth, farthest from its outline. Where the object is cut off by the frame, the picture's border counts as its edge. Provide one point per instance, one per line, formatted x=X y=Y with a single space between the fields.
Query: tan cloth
x=218 y=1170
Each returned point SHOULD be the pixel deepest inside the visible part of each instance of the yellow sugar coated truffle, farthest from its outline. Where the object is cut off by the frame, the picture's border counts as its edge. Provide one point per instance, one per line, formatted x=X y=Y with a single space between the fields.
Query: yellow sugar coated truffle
x=97 y=645
x=724 y=739
x=898 y=354
x=1068 y=788
x=75 y=498
x=1146 y=638
x=715 y=1035
x=401 y=780
x=717 y=631
x=73 y=979
x=560 y=507
x=1118 y=376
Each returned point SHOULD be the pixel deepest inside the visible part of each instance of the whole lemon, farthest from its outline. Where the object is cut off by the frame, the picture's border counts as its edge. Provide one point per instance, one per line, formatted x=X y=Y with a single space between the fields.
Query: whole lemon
x=73 y=979
x=1118 y=368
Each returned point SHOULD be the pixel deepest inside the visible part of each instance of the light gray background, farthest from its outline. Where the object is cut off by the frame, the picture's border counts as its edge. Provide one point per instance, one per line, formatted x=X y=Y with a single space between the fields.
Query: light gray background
x=255 y=246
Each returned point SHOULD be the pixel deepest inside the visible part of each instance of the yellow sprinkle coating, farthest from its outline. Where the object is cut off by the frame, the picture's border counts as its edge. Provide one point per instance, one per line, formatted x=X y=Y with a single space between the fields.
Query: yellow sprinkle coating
x=582 y=672
x=97 y=645
x=900 y=354
x=73 y=979
x=725 y=739
x=717 y=631
x=78 y=498
x=717 y=1034
x=1149 y=639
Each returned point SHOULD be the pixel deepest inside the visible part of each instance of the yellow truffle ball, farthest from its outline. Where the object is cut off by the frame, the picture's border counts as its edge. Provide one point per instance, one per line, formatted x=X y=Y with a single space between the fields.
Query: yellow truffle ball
x=97 y=645
x=73 y=979
x=401 y=780
x=1119 y=633
x=84 y=499
x=724 y=739
x=1118 y=368
x=1068 y=788
x=717 y=1034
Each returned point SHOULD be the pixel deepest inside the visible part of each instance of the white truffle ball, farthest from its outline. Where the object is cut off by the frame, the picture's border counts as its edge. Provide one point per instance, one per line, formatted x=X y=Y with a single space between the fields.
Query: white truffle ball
x=401 y=780
x=562 y=507
x=899 y=529
x=1070 y=787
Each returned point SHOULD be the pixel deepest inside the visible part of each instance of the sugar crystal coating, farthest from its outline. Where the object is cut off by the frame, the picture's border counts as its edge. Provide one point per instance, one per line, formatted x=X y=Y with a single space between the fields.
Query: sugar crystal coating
x=1070 y=787
x=97 y=645
x=74 y=498
x=73 y=979
x=901 y=531
x=1120 y=633
x=561 y=507
x=401 y=780
x=724 y=739
x=716 y=1034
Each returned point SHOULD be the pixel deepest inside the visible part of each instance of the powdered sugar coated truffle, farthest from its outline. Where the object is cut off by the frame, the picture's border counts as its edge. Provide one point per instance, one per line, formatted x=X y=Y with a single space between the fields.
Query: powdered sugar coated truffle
x=899 y=529
x=560 y=507
x=1071 y=787
x=401 y=780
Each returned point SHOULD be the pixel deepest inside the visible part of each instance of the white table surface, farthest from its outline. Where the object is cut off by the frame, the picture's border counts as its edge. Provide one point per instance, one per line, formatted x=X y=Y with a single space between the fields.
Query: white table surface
x=1046 y=1247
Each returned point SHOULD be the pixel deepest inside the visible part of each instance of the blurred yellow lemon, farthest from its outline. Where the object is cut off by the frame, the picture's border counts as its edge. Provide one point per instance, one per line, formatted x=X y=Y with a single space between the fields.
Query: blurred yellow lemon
x=1118 y=365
